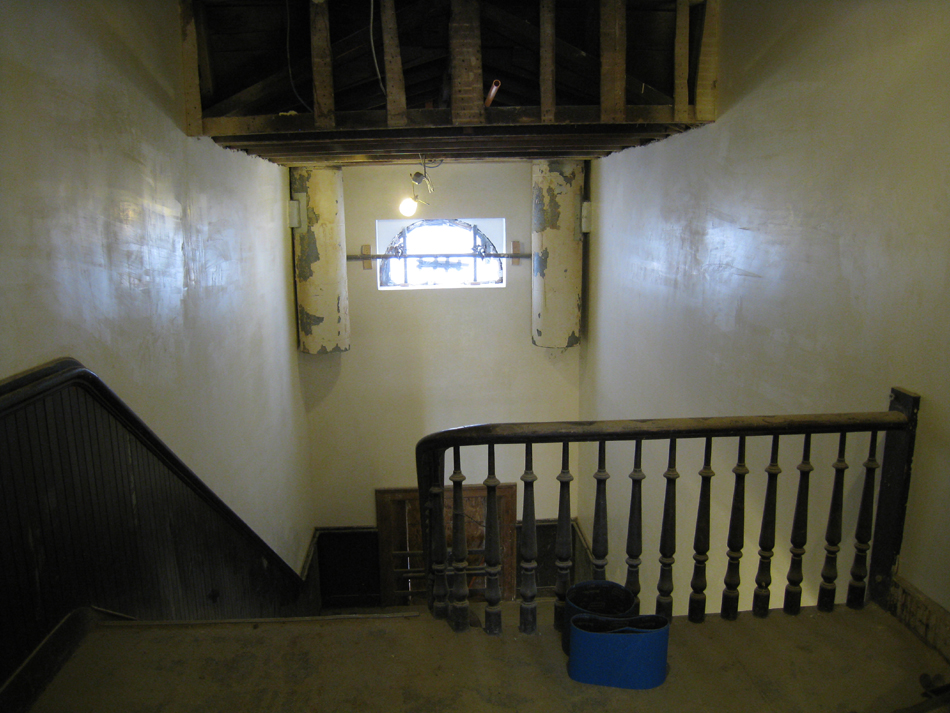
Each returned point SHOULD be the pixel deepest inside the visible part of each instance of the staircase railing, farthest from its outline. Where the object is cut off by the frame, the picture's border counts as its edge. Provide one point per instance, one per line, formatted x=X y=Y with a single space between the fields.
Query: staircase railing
x=96 y=511
x=448 y=587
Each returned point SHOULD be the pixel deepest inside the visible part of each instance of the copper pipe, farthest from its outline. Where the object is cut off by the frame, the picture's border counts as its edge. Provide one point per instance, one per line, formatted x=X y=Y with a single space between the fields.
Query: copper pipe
x=492 y=92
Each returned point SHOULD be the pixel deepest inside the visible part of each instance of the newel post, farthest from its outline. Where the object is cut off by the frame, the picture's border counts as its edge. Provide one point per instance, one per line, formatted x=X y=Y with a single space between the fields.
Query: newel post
x=892 y=500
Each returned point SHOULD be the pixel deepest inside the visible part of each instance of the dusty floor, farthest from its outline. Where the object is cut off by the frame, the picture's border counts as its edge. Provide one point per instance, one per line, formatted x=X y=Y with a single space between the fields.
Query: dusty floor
x=845 y=661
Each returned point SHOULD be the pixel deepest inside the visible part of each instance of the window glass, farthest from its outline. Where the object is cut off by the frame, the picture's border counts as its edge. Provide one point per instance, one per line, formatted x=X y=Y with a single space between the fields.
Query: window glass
x=440 y=253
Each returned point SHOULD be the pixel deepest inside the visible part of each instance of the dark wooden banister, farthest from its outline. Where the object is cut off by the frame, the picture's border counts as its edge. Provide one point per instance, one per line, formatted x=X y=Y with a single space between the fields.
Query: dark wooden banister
x=19 y=390
x=100 y=512
x=660 y=429
x=899 y=423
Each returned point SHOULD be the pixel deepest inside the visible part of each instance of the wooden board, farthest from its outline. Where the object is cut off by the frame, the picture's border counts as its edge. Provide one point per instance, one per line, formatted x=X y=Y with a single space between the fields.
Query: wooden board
x=401 y=566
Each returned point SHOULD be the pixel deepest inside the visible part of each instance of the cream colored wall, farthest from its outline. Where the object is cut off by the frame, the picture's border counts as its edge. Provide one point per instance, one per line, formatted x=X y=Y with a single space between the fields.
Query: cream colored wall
x=792 y=257
x=424 y=360
x=160 y=262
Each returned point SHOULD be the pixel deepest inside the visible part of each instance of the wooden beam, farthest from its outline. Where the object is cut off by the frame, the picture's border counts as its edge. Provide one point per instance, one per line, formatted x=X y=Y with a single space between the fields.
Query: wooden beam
x=408 y=18
x=191 y=82
x=548 y=100
x=681 y=63
x=364 y=159
x=465 y=47
x=293 y=128
x=267 y=89
x=395 y=81
x=205 y=73
x=417 y=145
x=707 y=77
x=502 y=119
x=250 y=125
x=613 y=60
x=579 y=70
x=321 y=58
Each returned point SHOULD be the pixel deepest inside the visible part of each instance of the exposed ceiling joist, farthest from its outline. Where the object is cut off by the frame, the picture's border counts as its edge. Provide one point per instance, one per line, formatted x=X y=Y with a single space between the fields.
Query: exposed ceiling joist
x=294 y=81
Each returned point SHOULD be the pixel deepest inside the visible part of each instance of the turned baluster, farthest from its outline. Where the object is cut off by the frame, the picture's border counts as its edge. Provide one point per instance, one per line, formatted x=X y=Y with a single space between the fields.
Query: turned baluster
x=763 y=577
x=564 y=543
x=528 y=623
x=458 y=608
x=664 y=602
x=635 y=530
x=697 y=598
x=793 y=590
x=736 y=538
x=857 y=587
x=829 y=572
x=438 y=549
x=599 y=545
x=492 y=549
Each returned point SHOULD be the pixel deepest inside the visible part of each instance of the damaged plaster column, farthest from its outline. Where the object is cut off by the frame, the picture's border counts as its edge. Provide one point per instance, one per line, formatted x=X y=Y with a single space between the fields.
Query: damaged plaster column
x=558 y=249
x=323 y=315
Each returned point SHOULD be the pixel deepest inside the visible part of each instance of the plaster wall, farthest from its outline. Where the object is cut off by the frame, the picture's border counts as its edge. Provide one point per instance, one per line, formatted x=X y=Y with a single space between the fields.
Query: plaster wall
x=791 y=257
x=425 y=360
x=159 y=261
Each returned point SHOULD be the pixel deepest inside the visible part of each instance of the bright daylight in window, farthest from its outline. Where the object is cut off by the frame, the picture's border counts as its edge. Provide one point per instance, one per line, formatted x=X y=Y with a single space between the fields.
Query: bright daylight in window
x=430 y=254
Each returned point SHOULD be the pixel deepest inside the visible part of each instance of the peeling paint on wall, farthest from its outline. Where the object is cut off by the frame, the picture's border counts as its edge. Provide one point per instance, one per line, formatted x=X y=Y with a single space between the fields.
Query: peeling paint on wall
x=323 y=320
x=557 y=247
x=306 y=252
x=306 y=321
x=540 y=262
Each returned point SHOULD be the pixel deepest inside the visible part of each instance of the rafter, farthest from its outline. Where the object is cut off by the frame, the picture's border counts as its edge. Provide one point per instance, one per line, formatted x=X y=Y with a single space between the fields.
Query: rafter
x=465 y=49
x=681 y=62
x=395 y=82
x=323 y=100
x=613 y=60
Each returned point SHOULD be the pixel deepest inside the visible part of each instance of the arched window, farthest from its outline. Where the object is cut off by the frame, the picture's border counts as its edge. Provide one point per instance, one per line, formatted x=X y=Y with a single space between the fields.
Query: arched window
x=442 y=253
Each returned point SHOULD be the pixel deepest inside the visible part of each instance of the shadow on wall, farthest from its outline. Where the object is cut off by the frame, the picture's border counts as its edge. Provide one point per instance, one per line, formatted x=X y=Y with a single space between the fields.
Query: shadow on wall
x=121 y=44
x=318 y=375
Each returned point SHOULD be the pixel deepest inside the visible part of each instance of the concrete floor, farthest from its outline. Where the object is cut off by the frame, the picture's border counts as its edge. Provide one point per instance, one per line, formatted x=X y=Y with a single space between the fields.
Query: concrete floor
x=840 y=662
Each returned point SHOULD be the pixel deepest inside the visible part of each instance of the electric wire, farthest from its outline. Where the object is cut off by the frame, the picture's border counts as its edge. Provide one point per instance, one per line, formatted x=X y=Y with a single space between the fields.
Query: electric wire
x=290 y=71
x=372 y=47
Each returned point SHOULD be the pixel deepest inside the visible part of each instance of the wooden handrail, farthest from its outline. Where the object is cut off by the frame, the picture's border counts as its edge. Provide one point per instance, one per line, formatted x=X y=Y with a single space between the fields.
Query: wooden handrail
x=899 y=423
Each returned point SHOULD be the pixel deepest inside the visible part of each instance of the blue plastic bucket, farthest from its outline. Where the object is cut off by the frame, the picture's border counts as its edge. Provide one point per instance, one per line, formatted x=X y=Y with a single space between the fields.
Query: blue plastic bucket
x=623 y=653
x=599 y=597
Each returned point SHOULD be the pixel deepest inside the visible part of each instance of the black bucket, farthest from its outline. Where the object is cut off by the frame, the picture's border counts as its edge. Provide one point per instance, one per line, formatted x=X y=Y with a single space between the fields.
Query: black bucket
x=598 y=597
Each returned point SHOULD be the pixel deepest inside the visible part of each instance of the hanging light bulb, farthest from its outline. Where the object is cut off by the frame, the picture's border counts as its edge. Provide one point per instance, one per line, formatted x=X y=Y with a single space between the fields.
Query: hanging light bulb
x=408 y=207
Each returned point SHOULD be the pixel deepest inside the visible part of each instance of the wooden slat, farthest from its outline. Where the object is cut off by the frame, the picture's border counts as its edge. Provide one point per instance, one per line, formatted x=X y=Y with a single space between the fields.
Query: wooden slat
x=385 y=527
x=191 y=83
x=681 y=63
x=466 y=52
x=707 y=76
x=320 y=55
x=395 y=82
x=613 y=60
x=548 y=99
